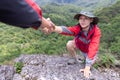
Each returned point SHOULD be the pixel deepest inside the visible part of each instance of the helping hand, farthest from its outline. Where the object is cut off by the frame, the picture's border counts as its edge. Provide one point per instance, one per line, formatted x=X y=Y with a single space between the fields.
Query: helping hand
x=49 y=28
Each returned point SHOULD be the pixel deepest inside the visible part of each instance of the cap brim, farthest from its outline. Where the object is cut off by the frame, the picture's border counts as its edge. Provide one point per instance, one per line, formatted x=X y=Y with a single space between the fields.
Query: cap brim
x=95 y=19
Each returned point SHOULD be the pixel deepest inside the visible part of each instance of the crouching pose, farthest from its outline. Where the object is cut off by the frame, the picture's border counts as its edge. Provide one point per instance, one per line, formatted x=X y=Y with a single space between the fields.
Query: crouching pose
x=86 y=38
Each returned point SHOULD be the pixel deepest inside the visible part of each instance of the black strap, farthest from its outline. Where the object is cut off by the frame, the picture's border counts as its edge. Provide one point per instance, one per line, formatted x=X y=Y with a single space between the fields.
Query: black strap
x=80 y=33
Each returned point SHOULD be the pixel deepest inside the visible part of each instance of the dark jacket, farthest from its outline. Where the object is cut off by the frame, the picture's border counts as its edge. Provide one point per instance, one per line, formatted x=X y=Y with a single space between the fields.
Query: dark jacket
x=21 y=13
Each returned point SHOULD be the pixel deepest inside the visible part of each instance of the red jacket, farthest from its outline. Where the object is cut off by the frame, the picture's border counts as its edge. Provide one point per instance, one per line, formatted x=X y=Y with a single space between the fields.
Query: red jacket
x=88 y=44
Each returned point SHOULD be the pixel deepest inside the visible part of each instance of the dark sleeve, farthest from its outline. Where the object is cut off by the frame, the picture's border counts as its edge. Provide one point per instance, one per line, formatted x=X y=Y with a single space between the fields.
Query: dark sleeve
x=20 y=13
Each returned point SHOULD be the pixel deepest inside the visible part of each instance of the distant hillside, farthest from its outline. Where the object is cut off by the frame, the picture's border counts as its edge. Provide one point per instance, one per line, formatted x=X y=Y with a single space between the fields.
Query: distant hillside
x=110 y=26
x=88 y=4
x=107 y=14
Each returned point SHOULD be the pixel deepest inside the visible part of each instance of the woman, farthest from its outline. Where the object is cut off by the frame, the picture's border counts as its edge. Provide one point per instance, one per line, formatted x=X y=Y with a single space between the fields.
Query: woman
x=86 y=38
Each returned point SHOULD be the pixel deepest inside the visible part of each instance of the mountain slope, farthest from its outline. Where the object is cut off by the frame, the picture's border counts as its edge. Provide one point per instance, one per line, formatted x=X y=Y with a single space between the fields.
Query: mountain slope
x=88 y=4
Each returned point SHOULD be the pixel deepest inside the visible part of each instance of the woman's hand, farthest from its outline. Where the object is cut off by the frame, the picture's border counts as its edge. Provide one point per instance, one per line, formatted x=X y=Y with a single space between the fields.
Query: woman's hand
x=86 y=71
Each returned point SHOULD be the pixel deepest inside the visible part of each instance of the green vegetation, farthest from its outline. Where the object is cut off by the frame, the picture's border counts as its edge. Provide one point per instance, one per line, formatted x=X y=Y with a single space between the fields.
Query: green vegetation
x=61 y=15
x=18 y=67
x=86 y=4
x=109 y=22
x=15 y=41
x=110 y=41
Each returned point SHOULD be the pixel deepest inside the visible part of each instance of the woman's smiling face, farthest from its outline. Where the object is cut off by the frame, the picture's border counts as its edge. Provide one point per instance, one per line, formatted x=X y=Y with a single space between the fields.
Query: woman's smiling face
x=85 y=21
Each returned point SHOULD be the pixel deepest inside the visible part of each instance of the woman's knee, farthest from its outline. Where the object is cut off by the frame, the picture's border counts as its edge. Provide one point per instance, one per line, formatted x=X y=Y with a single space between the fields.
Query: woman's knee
x=70 y=44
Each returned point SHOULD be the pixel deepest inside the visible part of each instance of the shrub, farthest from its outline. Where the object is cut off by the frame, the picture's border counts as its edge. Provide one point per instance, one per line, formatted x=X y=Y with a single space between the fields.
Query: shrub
x=18 y=67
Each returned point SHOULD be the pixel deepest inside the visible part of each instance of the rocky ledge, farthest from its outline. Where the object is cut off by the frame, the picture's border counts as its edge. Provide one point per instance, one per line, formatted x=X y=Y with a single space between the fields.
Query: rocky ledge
x=51 y=67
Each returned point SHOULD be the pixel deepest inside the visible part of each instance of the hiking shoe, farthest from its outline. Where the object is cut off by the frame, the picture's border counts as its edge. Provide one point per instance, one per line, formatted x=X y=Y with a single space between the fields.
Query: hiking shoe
x=79 y=60
x=72 y=61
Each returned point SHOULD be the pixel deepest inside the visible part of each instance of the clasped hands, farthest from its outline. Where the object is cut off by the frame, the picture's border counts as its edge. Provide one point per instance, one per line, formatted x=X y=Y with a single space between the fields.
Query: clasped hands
x=47 y=26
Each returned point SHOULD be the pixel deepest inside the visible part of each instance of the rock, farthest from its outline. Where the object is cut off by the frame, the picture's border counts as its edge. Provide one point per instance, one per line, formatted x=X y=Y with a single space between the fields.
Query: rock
x=43 y=67
x=111 y=74
x=17 y=77
x=6 y=72
x=52 y=67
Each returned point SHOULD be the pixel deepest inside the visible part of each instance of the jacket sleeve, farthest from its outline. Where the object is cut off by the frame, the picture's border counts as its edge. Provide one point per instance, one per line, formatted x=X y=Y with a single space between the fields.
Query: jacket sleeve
x=93 y=47
x=70 y=31
x=21 y=13
x=94 y=44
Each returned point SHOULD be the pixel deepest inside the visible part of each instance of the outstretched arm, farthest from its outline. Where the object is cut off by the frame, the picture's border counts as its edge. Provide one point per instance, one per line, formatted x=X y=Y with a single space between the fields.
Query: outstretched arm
x=70 y=31
x=58 y=29
x=22 y=13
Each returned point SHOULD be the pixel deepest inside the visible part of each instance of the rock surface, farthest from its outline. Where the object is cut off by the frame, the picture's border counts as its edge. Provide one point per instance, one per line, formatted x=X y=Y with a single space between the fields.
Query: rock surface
x=6 y=72
x=52 y=67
